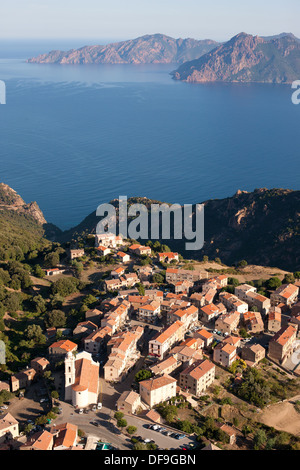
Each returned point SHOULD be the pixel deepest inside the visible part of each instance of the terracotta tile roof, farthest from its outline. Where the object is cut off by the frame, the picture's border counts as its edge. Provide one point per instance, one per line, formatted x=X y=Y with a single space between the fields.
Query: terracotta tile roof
x=284 y=335
x=227 y=429
x=67 y=345
x=228 y=348
x=199 y=369
x=275 y=316
x=163 y=365
x=7 y=420
x=168 y=332
x=41 y=361
x=153 y=306
x=86 y=376
x=67 y=435
x=287 y=291
x=40 y=441
x=232 y=340
x=172 y=271
x=205 y=334
x=209 y=309
x=154 y=416
x=158 y=382
x=129 y=397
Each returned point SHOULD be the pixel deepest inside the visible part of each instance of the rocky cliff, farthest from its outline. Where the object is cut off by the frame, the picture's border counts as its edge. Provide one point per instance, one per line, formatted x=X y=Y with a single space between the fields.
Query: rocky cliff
x=11 y=201
x=246 y=58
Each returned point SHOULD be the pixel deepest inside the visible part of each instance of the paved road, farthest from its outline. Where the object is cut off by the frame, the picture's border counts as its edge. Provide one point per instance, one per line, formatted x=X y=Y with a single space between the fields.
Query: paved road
x=107 y=431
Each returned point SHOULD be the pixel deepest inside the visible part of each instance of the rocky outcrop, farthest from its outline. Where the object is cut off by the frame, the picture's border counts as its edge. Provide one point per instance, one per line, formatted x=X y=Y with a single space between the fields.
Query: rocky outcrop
x=155 y=49
x=246 y=58
x=10 y=200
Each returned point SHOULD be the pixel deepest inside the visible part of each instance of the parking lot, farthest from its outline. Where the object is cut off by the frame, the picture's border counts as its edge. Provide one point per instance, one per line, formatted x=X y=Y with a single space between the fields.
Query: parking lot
x=161 y=439
x=27 y=409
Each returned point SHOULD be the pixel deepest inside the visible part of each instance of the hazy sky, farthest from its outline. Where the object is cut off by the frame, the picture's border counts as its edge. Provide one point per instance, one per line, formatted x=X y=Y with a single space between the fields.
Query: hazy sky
x=123 y=19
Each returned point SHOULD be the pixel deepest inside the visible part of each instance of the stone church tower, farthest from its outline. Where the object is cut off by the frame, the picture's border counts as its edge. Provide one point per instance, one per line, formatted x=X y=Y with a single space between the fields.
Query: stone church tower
x=69 y=375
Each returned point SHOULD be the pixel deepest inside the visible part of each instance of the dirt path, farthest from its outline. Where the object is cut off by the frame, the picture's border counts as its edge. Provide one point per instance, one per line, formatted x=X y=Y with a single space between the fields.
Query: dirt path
x=282 y=417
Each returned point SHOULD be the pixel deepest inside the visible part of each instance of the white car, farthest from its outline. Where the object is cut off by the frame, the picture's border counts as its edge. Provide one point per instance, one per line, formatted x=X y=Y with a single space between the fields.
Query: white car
x=99 y=406
x=4 y=407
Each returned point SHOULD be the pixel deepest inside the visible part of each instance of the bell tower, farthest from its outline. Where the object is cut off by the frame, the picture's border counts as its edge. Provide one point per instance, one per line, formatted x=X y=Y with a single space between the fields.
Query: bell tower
x=69 y=375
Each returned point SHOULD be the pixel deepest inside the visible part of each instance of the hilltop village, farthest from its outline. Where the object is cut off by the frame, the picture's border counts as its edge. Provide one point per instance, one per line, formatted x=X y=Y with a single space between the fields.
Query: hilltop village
x=110 y=344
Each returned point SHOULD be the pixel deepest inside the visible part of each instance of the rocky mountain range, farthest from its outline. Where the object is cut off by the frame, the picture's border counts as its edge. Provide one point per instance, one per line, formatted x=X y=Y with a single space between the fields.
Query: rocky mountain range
x=155 y=49
x=246 y=58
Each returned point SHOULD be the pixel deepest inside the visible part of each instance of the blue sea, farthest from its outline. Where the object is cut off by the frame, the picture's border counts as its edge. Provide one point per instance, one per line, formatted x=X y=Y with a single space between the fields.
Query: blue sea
x=73 y=137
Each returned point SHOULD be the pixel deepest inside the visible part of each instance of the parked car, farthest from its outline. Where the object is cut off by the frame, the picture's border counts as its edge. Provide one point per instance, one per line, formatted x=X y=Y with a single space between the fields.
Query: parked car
x=95 y=423
x=162 y=430
x=99 y=406
x=94 y=408
x=180 y=436
x=80 y=412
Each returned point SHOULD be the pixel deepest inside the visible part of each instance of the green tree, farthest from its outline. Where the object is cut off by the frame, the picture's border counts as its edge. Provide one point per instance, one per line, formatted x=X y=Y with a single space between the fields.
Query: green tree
x=259 y=440
x=35 y=333
x=158 y=278
x=28 y=428
x=5 y=396
x=141 y=289
x=56 y=301
x=131 y=430
x=55 y=319
x=242 y=264
x=13 y=302
x=38 y=271
x=51 y=259
x=143 y=375
x=39 y=304
x=65 y=286
x=90 y=300
x=289 y=279
x=233 y=281
x=41 y=420
x=140 y=446
x=273 y=283
x=122 y=423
